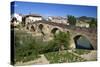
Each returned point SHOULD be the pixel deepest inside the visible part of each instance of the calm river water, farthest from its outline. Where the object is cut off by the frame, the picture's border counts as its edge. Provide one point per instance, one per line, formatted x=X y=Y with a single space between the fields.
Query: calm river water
x=83 y=43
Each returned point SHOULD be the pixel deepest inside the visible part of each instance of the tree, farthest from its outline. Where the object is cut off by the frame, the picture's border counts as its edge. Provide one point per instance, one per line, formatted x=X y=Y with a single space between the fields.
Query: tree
x=71 y=20
x=23 y=21
x=93 y=23
x=62 y=40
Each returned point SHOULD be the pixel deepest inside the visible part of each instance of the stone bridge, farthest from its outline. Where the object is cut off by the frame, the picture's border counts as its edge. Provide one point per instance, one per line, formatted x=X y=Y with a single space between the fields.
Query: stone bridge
x=47 y=29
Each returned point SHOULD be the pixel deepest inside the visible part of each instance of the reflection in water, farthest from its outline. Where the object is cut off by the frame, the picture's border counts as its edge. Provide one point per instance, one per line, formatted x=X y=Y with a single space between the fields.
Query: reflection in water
x=83 y=43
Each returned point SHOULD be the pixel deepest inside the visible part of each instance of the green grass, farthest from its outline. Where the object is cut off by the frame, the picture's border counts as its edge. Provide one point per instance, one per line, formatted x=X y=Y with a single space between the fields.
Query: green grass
x=64 y=56
x=81 y=51
x=27 y=47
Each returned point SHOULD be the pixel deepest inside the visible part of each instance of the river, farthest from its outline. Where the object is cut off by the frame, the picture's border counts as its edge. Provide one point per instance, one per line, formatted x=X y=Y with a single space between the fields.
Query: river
x=83 y=43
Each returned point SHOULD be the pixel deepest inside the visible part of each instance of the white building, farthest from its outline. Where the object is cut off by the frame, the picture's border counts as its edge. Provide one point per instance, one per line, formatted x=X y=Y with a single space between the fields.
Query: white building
x=32 y=18
x=58 y=19
x=16 y=19
x=82 y=24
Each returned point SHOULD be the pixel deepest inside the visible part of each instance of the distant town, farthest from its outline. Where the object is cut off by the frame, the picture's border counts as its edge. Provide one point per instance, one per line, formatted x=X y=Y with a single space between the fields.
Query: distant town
x=82 y=21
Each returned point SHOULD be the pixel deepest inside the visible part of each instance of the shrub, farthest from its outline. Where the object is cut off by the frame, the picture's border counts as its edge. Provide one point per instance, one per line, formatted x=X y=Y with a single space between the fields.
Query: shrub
x=62 y=40
x=24 y=46
x=56 y=57
x=28 y=47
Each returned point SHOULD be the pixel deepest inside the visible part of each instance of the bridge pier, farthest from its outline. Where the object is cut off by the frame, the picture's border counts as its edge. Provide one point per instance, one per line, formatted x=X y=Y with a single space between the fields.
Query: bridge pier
x=72 y=44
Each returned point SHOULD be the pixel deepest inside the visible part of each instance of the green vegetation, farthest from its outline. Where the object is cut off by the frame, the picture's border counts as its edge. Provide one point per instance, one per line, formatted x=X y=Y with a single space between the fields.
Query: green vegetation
x=71 y=20
x=81 y=51
x=62 y=40
x=29 y=47
x=64 y=56
x=93 y=23
x=24 y=49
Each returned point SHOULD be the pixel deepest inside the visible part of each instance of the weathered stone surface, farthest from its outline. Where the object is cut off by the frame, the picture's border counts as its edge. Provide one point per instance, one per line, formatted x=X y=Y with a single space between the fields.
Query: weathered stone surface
x=49 y=28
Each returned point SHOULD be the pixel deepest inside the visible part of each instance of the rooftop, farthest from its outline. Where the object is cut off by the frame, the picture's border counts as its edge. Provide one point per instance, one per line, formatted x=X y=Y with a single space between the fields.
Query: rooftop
x=33 y=15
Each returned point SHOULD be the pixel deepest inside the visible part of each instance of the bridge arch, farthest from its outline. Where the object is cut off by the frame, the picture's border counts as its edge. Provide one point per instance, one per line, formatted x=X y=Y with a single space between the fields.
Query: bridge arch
x=82 y=42
x=76 y=33
x=55 y=30
x=40 y=26
x=33 y=28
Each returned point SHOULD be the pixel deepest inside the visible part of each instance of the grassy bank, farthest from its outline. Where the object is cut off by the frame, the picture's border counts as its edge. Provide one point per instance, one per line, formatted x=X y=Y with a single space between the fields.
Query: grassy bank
x=63 y=56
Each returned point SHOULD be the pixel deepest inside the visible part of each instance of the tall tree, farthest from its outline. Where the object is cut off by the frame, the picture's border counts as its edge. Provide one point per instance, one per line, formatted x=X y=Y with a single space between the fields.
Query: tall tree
x=93 y=23
x=71 y=20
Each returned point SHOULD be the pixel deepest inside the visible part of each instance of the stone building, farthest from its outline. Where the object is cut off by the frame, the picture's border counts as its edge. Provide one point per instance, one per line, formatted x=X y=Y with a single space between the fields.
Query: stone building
x=32 y=18
x=82 y=24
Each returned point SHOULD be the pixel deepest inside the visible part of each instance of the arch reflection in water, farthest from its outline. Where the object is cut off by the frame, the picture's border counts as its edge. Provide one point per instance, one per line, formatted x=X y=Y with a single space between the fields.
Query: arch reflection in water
x=82 y=43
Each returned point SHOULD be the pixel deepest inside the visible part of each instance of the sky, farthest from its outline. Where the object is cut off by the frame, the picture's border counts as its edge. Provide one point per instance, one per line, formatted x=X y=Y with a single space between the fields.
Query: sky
x=48 y=9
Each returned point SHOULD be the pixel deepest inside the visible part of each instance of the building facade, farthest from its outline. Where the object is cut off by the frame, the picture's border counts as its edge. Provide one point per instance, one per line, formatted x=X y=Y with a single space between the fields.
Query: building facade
x=82 y=24
x=32 y=18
